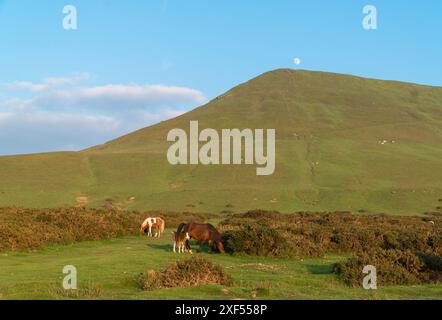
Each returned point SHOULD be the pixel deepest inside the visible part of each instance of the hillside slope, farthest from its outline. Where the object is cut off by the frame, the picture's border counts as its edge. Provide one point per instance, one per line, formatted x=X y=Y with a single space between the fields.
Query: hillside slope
x=343 y=143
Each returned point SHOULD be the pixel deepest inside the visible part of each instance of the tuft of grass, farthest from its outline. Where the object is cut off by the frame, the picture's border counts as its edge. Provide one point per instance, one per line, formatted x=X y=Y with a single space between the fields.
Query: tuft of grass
x=90 y=291
x=263 y=290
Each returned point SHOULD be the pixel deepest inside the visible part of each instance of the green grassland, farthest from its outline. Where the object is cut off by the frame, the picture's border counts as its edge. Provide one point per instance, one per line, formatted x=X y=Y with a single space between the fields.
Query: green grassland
x=108 y=269
x=329 y=153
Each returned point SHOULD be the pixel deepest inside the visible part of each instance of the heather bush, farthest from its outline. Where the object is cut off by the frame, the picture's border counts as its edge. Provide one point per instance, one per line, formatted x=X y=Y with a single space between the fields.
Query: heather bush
x=185 y=273
x=257 y=240
x=394 y=267
x=313 y=234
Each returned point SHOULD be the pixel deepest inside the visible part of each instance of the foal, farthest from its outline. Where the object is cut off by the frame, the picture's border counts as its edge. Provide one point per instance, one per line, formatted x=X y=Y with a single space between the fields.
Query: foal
x=181 y=240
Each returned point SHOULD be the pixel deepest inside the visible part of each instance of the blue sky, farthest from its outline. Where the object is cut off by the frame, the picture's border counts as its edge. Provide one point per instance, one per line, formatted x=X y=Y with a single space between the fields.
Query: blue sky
x=132 y=63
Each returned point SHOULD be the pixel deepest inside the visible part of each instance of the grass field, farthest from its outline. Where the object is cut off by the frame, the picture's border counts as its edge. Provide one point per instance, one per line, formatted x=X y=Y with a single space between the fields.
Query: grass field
x=108 y=269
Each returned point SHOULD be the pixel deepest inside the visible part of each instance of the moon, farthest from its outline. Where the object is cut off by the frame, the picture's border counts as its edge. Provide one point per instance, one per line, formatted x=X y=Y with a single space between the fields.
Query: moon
x=297 y=61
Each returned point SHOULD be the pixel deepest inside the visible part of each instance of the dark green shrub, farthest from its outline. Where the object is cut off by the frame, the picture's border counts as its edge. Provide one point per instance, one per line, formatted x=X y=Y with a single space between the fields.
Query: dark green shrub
x=394 y=267
x=432 y=266
x=431 y=262
x=257 y=240
x=313 y=234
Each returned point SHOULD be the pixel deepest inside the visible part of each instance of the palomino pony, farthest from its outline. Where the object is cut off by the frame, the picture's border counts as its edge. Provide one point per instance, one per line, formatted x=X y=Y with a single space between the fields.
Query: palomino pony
x=204 y=233
x=150 y=223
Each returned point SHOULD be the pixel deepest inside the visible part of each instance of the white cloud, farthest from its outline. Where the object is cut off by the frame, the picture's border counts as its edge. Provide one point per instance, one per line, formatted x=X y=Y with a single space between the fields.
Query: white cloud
x=49 y=83
x=42 y=132
x=111 y=98
x=78 y=117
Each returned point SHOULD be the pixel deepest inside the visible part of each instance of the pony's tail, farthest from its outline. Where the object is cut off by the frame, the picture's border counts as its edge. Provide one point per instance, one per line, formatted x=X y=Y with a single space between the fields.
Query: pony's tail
x=220 y=246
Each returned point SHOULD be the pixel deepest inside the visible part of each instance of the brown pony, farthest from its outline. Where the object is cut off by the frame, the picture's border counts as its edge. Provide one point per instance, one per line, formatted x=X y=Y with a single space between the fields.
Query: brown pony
x=204 y=233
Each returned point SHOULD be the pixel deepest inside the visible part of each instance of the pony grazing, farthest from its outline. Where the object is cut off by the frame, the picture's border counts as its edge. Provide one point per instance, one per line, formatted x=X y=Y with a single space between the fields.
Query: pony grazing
x=150 y=223
x=204 y=233
x=181 y=240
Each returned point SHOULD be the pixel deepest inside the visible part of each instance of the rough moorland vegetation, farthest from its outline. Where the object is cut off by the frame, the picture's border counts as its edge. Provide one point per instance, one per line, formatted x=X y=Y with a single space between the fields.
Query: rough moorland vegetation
x=28 y=229
x=405 y=250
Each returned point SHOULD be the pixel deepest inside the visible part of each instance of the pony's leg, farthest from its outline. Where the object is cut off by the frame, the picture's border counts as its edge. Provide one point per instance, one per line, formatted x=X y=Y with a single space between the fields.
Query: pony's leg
x=210 y=246
x=186 y=247
x=149 y=234
x=174 y=247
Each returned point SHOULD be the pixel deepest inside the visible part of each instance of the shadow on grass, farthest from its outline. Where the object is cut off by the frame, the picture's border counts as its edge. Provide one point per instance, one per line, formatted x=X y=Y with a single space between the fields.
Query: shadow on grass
x=320 y=269
x=163 y=247
x=169 y=247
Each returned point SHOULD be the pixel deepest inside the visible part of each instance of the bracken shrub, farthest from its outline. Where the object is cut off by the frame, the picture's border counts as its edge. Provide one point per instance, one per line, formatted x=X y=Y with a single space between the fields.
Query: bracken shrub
x=185 y=273
x=394 y=267
x=257 y=240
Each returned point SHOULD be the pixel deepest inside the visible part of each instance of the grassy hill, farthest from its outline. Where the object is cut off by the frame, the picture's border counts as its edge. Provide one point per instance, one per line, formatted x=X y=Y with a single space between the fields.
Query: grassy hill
x=343 y=143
